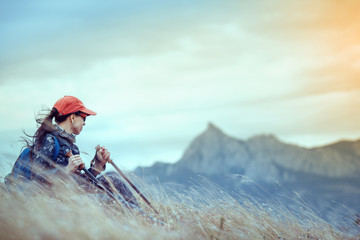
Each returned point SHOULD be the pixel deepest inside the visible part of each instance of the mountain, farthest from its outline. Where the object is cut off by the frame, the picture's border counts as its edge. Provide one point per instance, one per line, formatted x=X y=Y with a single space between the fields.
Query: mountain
x=322 y=175
x=261 y=157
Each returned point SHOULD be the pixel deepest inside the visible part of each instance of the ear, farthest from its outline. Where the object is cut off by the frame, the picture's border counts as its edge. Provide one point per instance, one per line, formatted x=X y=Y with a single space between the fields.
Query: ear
x=72 y=117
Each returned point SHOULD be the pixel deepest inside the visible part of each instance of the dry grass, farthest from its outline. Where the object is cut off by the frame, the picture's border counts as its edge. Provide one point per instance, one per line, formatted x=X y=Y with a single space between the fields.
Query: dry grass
x=65 y=212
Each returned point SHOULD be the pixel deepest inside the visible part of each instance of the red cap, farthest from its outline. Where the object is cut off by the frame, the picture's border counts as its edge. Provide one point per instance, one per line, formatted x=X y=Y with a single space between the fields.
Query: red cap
x=70 y=104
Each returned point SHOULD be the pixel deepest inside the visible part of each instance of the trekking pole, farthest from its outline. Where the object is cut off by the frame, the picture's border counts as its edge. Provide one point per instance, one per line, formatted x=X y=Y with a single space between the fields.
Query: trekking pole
x=131 y=184
x=92 y=177
x=128 y=205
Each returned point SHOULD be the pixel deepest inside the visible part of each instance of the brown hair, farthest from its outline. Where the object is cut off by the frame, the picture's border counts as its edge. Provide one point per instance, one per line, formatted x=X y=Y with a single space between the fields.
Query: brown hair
x=45 y=120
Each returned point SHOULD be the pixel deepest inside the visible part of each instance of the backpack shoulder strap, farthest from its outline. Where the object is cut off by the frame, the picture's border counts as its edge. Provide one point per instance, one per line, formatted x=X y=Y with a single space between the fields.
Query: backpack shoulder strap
x=57 y=148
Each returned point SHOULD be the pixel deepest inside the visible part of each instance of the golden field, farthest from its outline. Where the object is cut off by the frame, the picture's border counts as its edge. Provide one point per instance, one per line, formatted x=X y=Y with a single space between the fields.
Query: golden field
x=65 y=211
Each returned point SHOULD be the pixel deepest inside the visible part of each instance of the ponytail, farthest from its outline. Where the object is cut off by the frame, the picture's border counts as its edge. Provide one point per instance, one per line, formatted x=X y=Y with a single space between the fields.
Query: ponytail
x=45 y=123
x=46 y=126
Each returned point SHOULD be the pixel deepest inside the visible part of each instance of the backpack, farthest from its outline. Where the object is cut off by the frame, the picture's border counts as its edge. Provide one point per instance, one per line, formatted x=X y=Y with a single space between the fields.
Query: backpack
x=23 y=166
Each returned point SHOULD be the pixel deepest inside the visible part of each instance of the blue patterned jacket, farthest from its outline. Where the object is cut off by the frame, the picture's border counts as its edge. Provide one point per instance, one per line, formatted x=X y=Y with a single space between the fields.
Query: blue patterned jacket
x=42 y=158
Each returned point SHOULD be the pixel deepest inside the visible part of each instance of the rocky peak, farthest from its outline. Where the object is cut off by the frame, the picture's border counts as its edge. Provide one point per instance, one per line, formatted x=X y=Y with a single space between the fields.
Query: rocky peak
x=212 y=151
x=210 y=138
x=213 y=131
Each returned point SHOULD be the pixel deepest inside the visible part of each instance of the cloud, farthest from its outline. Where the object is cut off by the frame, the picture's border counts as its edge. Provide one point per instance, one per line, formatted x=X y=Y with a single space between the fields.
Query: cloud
x=61 y=40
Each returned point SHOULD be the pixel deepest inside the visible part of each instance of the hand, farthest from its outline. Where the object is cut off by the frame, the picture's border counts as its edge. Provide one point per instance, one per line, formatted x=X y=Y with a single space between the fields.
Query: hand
x=102 y=157
x=75 y=163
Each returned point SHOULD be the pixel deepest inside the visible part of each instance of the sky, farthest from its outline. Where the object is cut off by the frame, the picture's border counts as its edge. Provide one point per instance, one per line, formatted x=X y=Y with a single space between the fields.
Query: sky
x=157 y=72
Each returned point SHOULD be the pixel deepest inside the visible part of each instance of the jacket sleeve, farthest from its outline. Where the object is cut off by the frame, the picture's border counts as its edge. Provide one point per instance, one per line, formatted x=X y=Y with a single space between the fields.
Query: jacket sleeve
x=43 y=166
x=94 y=171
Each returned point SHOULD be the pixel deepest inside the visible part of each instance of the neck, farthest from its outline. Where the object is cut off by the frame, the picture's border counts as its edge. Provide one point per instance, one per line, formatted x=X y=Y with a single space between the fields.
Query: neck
x=66 y=126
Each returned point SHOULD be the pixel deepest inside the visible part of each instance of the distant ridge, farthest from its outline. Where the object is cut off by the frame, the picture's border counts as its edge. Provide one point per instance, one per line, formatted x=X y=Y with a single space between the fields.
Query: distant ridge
x=214 y=152
x=328 y=173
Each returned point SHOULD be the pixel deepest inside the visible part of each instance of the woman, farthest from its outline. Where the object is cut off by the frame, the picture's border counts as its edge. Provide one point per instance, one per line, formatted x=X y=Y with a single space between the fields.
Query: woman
x=52 y=143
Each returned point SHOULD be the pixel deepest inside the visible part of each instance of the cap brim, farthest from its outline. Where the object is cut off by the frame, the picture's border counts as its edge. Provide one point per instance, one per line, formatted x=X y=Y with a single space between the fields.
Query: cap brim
x=88 y=111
